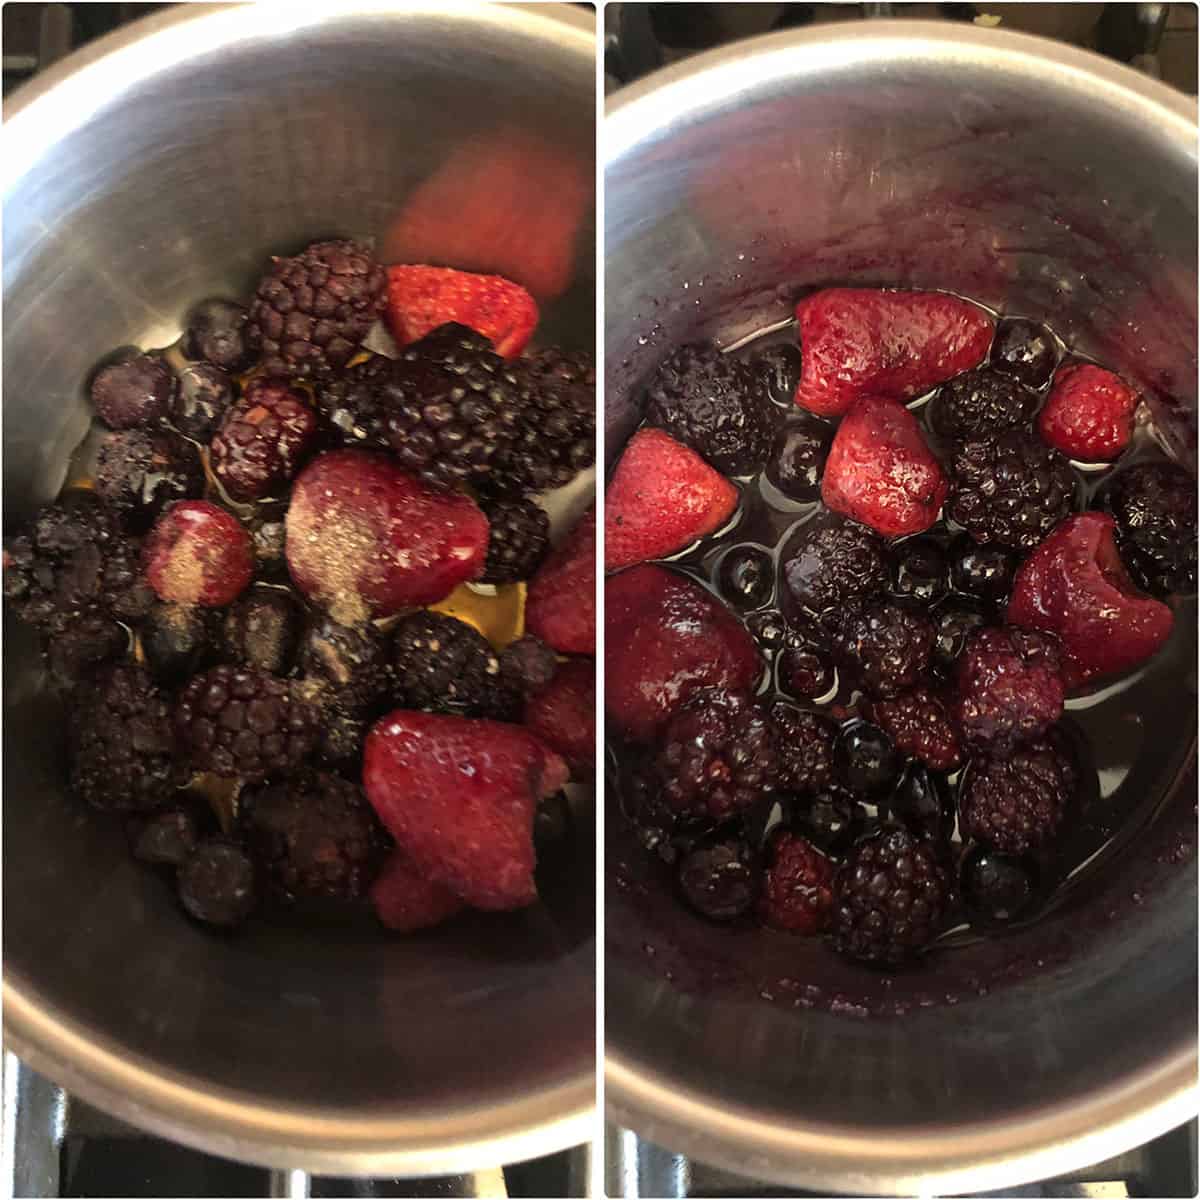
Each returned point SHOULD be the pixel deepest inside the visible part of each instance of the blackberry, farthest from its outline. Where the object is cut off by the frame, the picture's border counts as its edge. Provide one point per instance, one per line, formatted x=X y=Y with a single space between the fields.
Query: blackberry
x=798 y=460
x=866 y=759
x=797 y=893
x=216 y=332
x=720 y=878
x=356 y=403
x=980 y=403
x=715 y=404
x=138 y=474
x=313 y=834
x=311 y=312
x=1009 y=490
x=176 y=640
x=216 y=883
x=996 y=888
x=745 y=577
x=165 y=838
x=885 y=648
x=920 y=801
x=555 y=435
x=201 y=402
x=527 y=665
x=803 y=747
x=717 y=754
x=261 y=629
x=244 y=724
x=1154 y=506
x=263 y=439
x=348 y=666
x=826 y=566
x=74 y=559
x=1016 y=802
x=441 y=664
x=921 y=573
x=134 y=392
x=87 y=643
x=919 y=726
x=889 y=898
x=779 y=369
x=121 y=744
x=451 y=407
x=518 y=540
x=982 y=572
x=953 y=624
x=1025 y=350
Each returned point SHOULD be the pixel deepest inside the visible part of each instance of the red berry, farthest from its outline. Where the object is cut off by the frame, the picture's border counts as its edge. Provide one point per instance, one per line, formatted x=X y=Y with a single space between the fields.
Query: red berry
x=366 y=540
x=560 y=608
x=406 y=901
x=880 y=472
x=1075 y=586
x=918 y=724
x=1089 y=414
x=563 y=713
x=198 y=553
x=797 y=894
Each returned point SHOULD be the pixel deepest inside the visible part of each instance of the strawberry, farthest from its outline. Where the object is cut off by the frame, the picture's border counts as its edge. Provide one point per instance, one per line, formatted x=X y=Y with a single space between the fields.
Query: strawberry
x=198 y=553
x=859 y=341
x=405 y=900
x=459 y=797
x=666 y=636
x=662 y=496
x=560 y=608
x=420 y=299
x=1075 y=586
x=365 y=540
x=563 y=713
x=880 y=472
x=1088 y=415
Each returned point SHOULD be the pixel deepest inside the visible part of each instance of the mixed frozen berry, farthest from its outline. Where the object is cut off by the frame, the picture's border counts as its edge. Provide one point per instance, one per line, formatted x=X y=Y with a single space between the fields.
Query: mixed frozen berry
x=232 y=591
x=838 y=656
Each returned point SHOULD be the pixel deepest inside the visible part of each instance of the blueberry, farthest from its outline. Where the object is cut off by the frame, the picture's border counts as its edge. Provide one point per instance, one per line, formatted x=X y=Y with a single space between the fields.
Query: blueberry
x=834 y=820
x=216 y=883
x=215 y=331
x=719 y=877
x=167 y=837
x=769 y=629
x=779 y=367
x=804 y=671
x=920 y=572
x=175 y=640
x=205 y=394
x=1025 y=350
x=797 y=461
x=133 y=393
x=865 y=758
x=746 y=577
x=262 y=629
x=997 y=888
x=954 y=623
x=984 y=572
x=921 y=801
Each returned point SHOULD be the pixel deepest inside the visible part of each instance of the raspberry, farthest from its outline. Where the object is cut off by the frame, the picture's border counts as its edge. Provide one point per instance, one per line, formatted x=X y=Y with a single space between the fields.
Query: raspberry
x=133 y=393
x=866 y=760
x=527 y=665
x=198 y=553
x=1008 y=686
x=311 y=313
x=920 y=726
x=441 y=664
x=313 y=834
x=826 y=566
x=889 y=898
x=138 y=474
x=798 y=459
x=803 y=747
x=176 y=639
x=261 y=630
x=1088 y=415
x=243 y=723
x=216 y=883
x=1016 y=802
x=1010 y=490
x=121 y=744
x=715 y=404
x=1154 y=506
x=518 y=540
x=980 y=403
x=1025 y=350
x=797 y=891
x=716 y=756
x=74 y=559
x=720 y=878
x=885 y=648
x=215 y=331
x=263 y=439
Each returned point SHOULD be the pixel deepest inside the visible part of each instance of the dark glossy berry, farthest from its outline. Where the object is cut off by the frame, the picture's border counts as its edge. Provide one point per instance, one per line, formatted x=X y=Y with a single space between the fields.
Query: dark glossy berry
x=262 y=629
x=919 y=724
x=826 y=565
x=204 y=396
x=804 y=744
x=769 y=629
x=980 y=403
x=720 y=878
x=716 y=756
x=866 y=759
x=217 y=885
x=1025 y=350
x=441 y=664
x=797 y=894
x=921 y=802
x=88 y=642
x=833 y=819
x=215 y=331
x=263 y=440
x=1009 y=490
x=341 y=737
x=890 y=898
x=953 y=624
x=311 y=312
x=920 y=572
x=798 y=460
x=804 y=668
x=518 y=540
x=715 y=404
x=176 y=640
x=746 y=577
x=1154 y=506
x=349 y=666
x=883 y=647
x=134 y=392
x=139 y=473
x=166 y=838
x=779 y=368
x=982 y=572
x=996 y=888
x=527 y=665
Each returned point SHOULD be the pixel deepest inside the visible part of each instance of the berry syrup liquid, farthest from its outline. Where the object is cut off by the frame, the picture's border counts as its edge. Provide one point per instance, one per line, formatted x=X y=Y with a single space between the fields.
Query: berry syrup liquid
x=1108 y=729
